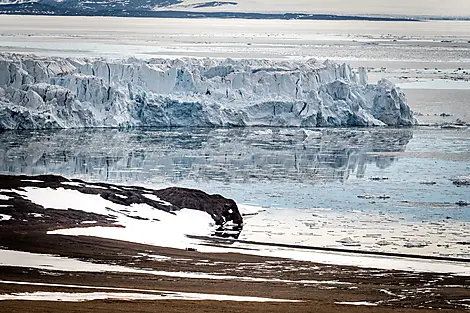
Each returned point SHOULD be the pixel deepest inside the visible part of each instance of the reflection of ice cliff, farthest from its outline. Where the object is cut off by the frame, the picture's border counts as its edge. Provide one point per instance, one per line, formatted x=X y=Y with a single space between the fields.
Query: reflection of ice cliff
x=236 y=155
x=37 y=93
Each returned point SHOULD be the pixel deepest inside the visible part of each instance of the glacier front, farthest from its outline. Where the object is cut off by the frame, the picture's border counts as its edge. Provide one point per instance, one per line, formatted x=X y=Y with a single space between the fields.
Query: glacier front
x=44 y=92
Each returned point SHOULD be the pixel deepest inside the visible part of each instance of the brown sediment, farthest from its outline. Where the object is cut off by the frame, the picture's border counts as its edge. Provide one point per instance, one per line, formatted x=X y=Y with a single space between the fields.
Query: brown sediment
x=413 y=290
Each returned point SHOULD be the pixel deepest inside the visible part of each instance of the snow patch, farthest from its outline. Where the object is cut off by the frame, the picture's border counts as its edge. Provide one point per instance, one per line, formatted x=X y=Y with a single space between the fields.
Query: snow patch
x=36 y=214
x=155 y=198
x=139 y=220
x=90 y=296
x=49 y=262
x=32 y=180
x=159 y=294
x=357 y=303
x=155 y=257
x=4 y=217
x=72 y=183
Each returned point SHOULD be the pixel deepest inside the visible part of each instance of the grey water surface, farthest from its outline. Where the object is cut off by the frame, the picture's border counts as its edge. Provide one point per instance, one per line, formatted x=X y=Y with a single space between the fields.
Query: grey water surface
x=271 y=167
x=384 y=189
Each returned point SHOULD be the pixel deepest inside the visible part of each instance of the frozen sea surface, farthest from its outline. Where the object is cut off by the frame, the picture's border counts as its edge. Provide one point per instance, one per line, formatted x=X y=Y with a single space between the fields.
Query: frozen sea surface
x=453 y=8
x=376 y=189
x=430 y=44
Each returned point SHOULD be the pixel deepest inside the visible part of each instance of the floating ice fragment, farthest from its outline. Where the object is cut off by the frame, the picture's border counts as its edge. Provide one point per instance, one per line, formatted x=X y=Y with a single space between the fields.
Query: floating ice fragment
x=348 y=241
x=367 y=196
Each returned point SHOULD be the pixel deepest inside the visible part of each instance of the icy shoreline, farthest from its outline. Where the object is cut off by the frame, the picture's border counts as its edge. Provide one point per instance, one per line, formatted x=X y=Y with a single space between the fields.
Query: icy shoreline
x=38 y=93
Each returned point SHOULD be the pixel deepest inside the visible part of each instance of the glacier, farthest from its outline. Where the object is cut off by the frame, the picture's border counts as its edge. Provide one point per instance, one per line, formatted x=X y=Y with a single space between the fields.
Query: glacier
x=51 y=92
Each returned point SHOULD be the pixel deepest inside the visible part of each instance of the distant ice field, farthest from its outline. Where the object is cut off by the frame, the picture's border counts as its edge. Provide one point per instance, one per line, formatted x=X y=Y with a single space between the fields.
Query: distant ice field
x=147 y=37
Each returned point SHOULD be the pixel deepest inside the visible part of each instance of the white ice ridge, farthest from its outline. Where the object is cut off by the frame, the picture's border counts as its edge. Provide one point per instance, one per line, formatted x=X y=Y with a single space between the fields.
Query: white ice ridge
x=43 y=92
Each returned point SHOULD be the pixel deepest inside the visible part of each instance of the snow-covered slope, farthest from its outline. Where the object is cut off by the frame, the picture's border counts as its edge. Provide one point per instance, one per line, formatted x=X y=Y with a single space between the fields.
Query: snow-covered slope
x=251 y=9
x=37 y=92
x=454 y=8
x=98 y=4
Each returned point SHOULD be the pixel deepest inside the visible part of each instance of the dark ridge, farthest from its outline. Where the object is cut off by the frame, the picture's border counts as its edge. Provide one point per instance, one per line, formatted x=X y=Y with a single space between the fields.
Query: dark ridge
x=222 y=210
x=213 y=4
x=37 y=8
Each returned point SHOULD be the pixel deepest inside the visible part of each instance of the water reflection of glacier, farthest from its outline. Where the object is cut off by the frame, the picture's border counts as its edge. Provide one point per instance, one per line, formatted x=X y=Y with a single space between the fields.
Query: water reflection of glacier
x=232 y=155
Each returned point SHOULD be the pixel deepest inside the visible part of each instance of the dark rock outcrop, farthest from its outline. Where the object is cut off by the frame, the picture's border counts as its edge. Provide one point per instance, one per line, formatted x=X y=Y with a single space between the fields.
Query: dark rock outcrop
x=221 y=209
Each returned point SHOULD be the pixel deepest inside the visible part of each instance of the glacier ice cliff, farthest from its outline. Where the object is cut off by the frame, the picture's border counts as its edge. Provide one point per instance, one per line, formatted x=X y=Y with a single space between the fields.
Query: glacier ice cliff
x=43 y=92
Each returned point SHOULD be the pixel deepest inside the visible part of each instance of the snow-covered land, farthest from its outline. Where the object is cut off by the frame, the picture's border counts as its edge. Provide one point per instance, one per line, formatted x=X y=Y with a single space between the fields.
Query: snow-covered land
x=39 y=92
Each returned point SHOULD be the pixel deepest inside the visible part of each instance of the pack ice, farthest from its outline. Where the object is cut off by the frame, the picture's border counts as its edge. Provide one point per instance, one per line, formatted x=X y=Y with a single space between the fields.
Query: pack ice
x=43 y=92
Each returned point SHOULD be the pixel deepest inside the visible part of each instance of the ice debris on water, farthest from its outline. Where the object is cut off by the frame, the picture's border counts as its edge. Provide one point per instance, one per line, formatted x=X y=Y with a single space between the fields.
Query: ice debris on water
x=367 y=196
x=461 y=181
x=383 y=243
x=416 y=244
x=51 y=92
x=348 y=241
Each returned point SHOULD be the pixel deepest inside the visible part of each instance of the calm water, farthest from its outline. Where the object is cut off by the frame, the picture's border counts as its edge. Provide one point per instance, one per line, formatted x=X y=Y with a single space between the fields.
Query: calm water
x=263 y=166
x=307 y=181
